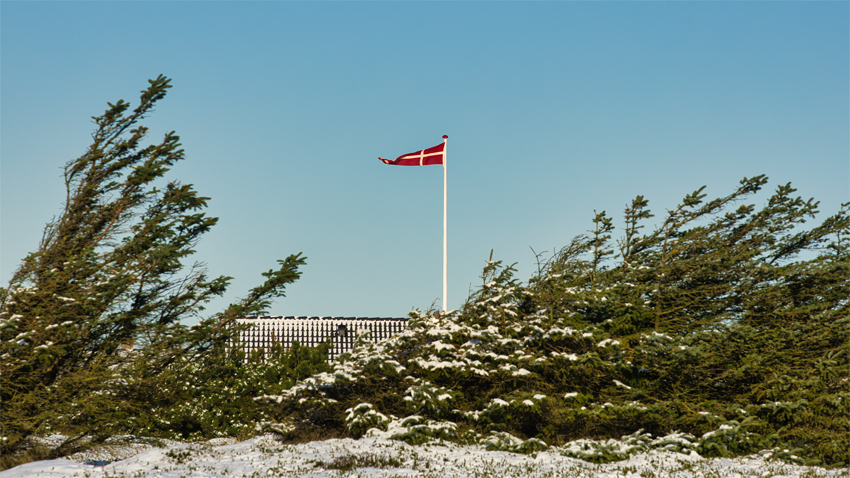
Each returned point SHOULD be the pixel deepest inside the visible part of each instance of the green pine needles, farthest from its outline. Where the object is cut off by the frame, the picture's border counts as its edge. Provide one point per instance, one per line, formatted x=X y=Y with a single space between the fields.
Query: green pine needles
x=112 y=271
x=723 y=330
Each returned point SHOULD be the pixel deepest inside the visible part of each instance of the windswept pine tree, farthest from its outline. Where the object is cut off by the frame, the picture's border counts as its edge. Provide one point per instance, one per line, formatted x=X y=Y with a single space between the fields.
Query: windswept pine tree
x=112 y=269
x=723 y=330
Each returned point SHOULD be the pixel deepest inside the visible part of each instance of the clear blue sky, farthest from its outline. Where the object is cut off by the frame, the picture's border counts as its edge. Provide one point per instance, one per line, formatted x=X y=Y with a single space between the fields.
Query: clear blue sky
x=552 y=109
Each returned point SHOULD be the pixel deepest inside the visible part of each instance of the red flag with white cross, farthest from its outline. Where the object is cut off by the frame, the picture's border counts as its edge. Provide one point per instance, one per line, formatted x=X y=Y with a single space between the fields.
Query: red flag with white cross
x=432 y=155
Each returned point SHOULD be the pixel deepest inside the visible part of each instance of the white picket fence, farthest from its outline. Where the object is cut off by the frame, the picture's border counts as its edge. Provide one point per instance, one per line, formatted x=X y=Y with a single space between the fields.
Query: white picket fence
x=312 y=331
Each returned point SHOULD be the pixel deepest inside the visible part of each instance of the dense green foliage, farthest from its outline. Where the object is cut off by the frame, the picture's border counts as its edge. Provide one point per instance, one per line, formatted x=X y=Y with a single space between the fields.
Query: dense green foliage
x=215 y=397
x=110 y=271
x=724 y=331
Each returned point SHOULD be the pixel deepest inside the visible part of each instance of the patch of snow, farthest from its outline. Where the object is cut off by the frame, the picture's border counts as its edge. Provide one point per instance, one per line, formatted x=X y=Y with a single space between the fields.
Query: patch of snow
x=266 y=456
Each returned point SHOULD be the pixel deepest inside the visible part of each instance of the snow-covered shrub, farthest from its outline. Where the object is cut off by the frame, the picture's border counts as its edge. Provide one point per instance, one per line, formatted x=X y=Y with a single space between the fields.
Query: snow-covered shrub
x=416 y=429
x=604 y=451
x=363 y=417
x=687 y=334
x=729 y=439
x=504 y=441
x=426 y=398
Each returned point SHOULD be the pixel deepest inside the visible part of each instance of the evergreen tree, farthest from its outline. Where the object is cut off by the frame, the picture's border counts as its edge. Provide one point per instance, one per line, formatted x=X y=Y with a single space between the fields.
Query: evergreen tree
x=724 y=330
x=109 y=271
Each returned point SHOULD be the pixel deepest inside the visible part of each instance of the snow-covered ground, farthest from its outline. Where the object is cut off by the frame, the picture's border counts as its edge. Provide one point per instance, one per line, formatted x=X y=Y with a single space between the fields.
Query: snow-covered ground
x=264 y=456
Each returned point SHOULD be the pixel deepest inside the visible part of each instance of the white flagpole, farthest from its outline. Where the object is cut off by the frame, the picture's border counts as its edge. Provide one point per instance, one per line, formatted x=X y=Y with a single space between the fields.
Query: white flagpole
x=445 y=200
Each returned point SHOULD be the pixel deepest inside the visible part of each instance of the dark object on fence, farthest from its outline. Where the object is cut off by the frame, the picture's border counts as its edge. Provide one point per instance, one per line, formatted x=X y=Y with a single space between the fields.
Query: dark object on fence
x=313 y=331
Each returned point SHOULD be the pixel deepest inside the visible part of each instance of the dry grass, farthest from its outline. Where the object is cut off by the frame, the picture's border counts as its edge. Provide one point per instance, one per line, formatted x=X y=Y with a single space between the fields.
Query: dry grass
x=364 y=460
x=32 y=453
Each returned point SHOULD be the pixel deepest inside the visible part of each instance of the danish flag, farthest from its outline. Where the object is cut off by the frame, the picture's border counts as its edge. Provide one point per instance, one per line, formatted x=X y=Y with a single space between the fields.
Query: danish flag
x=433 y=155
